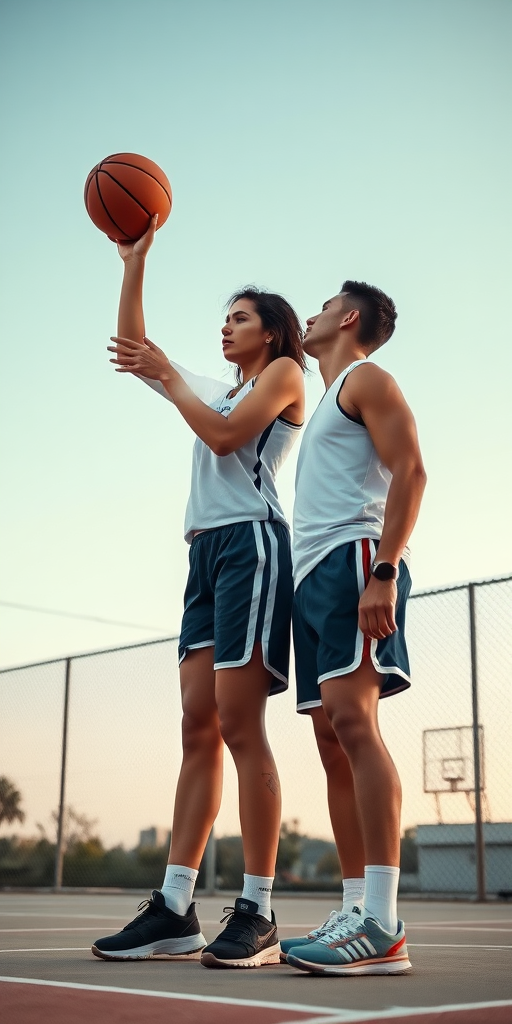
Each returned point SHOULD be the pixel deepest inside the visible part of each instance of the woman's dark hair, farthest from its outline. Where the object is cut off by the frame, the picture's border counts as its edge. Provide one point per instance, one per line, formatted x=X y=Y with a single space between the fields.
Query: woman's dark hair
x=277 y=316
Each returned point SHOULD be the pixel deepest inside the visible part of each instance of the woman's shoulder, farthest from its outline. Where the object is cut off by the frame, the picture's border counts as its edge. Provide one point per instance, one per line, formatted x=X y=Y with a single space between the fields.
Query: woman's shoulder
x=283 y=366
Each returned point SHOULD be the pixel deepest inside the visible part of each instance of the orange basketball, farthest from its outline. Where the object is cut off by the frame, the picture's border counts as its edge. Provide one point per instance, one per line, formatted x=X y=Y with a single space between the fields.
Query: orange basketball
x=123 y=192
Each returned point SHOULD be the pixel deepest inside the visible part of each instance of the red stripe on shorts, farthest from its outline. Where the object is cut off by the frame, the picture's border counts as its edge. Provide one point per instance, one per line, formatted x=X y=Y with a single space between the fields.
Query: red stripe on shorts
x=367 y=563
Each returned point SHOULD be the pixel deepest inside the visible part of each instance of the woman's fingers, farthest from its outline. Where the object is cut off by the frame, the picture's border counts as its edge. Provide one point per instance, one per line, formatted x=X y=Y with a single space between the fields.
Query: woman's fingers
x=128 y=342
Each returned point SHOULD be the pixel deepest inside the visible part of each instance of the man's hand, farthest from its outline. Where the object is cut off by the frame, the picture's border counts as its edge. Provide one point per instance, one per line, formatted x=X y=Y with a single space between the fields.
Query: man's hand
x=143 y=358
x=377 y=609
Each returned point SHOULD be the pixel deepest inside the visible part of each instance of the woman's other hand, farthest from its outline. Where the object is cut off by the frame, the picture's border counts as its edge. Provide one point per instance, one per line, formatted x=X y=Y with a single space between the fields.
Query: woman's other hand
x=142 y=358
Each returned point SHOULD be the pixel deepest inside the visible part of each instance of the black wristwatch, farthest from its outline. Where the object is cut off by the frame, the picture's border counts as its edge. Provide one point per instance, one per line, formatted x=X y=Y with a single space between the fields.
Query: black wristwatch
x=384 y=571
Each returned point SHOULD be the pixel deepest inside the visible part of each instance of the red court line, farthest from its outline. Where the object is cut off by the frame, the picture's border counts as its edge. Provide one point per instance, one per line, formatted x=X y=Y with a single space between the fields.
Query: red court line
x=30 y=1002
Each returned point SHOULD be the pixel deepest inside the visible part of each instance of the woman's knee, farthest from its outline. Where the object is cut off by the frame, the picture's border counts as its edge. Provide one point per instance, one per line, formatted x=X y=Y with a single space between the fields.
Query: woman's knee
x=235 y=733
x=200 y=732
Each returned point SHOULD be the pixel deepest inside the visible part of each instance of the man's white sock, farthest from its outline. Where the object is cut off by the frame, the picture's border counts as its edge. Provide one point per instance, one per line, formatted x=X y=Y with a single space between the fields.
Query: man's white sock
x=259 y=889
x=178 y=887
x=353 y=892
x=380 y=894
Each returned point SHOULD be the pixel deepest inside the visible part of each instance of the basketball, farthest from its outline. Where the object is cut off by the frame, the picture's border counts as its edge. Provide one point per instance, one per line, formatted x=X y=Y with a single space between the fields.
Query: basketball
x=123 y=192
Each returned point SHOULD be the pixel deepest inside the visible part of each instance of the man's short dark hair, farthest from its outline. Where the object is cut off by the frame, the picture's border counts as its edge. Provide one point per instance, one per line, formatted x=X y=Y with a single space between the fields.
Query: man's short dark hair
x=377 y=312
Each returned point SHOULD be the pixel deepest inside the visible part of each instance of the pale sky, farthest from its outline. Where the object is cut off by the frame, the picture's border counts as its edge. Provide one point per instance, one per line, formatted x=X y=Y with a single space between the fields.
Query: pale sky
x=306 y=142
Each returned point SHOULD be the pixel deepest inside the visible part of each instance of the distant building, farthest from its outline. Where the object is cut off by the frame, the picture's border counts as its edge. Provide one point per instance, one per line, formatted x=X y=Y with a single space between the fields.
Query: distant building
x=313 y=850
x=447 y=857
x=154 y=837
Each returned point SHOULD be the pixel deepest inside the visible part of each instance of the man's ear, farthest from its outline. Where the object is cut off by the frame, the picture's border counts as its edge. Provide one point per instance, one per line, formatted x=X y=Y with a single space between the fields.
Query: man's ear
x=350 y=318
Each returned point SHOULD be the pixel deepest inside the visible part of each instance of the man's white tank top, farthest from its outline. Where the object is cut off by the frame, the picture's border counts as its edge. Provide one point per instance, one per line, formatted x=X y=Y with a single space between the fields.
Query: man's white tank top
x=341 y=484
x=239 y=487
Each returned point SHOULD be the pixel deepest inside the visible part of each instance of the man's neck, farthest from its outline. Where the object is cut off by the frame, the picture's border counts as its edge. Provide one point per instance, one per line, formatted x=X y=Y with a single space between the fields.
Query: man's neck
x=333 y=361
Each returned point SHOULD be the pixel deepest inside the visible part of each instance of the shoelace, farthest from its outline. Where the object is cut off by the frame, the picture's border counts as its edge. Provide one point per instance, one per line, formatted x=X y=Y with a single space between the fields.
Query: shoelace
x=345 y=924
x=327 y=925
x=147 y=906
x=237 y=927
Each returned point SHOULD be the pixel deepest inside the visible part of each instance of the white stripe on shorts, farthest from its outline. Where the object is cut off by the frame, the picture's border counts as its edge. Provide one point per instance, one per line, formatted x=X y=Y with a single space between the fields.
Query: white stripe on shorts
x=271 y=600
x=255 y=603
x=195 y=647
x=359 y=643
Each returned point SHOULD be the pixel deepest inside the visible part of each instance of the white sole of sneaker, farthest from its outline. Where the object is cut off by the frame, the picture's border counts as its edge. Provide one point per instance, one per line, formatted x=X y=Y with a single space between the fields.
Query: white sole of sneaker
x=261 y=959
x=171 y=948
x=383 y=967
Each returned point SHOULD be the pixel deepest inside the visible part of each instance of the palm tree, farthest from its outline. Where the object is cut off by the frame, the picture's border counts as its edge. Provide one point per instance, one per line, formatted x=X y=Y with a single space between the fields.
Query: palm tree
x=10 y=802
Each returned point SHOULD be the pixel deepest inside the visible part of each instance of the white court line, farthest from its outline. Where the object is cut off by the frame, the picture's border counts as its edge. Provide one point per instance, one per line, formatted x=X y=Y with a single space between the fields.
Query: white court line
x=354 y=1016
x=66 y=916
x=452 y=945
x=27 y=931
x=455 y=928
x=329 y=1014
x=408 y=927
x=49 y=949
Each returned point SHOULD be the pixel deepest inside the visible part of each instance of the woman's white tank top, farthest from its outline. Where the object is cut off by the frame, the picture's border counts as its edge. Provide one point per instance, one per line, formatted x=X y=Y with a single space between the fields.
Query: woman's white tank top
x=239 y=487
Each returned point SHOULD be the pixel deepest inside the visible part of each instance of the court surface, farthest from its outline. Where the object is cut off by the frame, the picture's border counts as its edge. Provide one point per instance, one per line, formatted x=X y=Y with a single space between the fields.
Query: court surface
x=461 y=955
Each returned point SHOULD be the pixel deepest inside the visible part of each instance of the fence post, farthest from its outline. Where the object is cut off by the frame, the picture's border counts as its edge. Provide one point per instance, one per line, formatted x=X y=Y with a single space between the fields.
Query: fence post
x=59 y=851
x=210 y=865
x=479 y=832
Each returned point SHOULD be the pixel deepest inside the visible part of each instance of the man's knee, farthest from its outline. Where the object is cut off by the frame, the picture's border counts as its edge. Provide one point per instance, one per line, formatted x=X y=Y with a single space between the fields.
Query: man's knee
x=351 y=725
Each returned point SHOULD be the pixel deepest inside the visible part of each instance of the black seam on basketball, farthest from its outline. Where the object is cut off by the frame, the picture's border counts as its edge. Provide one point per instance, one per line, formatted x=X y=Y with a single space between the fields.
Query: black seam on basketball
x=124 y=163
x=109 y=215
x=128 y=193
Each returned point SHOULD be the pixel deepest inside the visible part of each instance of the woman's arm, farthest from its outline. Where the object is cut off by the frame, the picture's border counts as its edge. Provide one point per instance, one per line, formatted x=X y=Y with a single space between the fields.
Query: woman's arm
x=130 y=321
x=279 y=385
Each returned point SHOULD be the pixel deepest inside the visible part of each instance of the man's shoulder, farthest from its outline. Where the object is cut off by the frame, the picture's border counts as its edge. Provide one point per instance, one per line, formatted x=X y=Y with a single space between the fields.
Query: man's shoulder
x=369 y=379
x=369 y=373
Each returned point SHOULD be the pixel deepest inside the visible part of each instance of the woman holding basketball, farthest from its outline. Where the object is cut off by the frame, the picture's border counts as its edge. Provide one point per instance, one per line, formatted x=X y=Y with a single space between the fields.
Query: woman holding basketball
x=234 y=640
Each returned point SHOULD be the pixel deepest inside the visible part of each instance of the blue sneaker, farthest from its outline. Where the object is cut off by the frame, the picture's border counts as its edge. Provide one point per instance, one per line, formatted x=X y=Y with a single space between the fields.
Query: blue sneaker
x=312 y=936
x=356 y=945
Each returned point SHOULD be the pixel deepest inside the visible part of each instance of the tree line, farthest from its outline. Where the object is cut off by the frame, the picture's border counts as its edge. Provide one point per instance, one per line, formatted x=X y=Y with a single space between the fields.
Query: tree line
x=303 y=862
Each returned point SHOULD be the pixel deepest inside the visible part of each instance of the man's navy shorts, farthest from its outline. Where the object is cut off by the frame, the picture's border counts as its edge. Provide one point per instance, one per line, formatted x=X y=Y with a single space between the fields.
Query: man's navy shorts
x=326 y=637
x=239 y=592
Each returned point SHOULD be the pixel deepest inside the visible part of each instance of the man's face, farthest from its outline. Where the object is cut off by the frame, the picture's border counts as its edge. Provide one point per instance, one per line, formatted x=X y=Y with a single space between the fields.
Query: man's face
x=325 y=326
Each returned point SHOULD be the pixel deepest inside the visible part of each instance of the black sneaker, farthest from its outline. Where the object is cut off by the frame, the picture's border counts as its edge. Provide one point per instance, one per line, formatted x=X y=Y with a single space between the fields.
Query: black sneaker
x=248 y=940
x=155 y=932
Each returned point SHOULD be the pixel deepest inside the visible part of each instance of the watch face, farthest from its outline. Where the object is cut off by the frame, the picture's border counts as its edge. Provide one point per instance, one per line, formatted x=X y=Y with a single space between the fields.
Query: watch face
x=384 y=571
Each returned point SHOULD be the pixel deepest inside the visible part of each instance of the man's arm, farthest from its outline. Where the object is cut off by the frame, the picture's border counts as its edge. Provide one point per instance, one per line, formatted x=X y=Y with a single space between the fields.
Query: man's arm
x=376 y=397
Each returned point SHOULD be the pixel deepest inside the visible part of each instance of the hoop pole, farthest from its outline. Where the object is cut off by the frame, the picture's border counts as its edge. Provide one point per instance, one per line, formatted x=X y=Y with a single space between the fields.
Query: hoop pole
x=479 y=832
x=59 y=850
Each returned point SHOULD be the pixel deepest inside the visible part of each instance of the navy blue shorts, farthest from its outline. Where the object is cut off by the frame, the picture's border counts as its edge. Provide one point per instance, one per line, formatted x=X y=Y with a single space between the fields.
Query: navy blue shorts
x=326 y=636
x=240 y=592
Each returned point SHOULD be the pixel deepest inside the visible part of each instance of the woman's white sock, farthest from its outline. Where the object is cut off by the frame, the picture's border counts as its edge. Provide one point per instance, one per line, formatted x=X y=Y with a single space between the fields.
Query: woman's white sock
x=178 y=887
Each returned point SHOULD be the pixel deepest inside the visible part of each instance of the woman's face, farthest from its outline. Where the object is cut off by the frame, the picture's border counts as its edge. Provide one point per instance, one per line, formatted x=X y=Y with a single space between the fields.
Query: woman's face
x=243 y=335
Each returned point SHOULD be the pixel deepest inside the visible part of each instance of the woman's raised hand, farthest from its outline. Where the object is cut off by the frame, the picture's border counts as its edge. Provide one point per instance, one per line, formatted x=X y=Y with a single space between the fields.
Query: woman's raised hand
x=142 y=246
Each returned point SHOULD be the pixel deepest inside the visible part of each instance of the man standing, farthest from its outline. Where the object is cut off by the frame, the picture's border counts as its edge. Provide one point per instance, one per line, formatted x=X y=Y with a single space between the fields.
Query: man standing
x=360 y=480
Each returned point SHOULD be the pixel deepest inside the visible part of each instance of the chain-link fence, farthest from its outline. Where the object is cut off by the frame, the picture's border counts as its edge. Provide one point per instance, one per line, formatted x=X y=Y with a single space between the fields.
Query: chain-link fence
x=91 y=749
